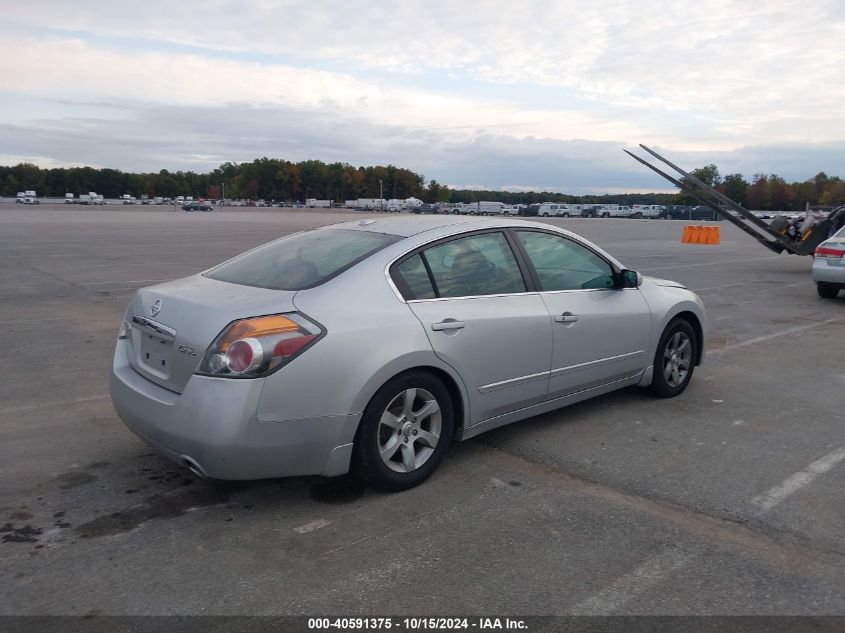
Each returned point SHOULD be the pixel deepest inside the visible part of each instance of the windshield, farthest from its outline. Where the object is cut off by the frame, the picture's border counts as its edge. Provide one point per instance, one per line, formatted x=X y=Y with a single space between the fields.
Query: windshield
x=303 y=260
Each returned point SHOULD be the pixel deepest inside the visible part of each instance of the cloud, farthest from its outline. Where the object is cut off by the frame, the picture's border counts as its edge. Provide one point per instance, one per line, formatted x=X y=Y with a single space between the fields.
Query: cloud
x=741 y=62
x=192 y=137
x=92 y=73
x=511 y=94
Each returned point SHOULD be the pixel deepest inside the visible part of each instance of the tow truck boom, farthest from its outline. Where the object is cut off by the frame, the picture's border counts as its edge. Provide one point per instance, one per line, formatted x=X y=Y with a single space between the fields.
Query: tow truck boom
x=768 y=236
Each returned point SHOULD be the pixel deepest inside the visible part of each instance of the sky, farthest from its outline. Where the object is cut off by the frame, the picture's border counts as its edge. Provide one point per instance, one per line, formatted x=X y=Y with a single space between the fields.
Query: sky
x=514 y=95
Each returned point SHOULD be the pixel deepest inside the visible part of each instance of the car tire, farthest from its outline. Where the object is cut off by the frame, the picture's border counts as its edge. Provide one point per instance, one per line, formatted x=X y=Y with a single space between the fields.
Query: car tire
x=674 y=360
x=605 y=215
x=827 y=291
x=545 y=215
x=389 y=423
x=506 y=213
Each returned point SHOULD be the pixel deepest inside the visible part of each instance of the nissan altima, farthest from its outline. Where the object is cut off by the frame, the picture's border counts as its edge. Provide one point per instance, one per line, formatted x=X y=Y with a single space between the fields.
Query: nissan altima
x=370 y=346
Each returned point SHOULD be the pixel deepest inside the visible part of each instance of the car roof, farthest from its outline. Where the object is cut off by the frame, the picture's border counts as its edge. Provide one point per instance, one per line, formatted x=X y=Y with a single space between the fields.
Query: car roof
x=410 y=225
x=420 y=230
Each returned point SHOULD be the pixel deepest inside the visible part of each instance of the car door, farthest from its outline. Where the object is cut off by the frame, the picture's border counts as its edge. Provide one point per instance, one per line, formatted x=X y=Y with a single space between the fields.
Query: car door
x=601 y=333
x=470 y=295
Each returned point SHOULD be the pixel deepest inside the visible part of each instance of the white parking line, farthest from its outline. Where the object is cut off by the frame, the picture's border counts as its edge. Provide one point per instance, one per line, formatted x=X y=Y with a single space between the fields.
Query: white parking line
x=719 y=263
x=771 y=498
x=739 y=283
x=55 y=403
x=768 y=337
x=632 y=584
x=34 y=320
x=132 y=281
x=310 y=527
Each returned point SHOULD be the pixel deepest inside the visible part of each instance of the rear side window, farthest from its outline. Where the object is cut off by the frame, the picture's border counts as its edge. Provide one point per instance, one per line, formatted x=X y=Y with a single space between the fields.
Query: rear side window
x=303 y=260
x=412 y=271
x=481 y=264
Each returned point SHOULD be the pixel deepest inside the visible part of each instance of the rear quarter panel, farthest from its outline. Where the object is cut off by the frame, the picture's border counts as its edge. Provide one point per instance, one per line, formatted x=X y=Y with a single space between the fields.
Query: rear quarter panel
x=371 y=336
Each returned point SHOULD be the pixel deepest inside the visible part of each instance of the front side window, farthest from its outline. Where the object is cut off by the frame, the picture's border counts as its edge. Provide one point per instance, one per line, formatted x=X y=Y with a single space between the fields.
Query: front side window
x=303 y=260
x=481 y=264
x=562 y=264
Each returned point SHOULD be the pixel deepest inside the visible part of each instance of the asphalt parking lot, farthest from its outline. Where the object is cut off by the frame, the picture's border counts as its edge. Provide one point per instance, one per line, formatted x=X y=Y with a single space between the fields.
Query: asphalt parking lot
x=727 y=500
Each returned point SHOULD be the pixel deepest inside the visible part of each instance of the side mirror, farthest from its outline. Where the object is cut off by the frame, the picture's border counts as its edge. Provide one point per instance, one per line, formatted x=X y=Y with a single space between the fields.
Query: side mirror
x=631 y=279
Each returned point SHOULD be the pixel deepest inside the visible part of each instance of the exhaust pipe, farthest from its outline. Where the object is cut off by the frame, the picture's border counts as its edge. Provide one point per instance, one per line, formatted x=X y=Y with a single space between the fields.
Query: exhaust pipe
x=194 y=467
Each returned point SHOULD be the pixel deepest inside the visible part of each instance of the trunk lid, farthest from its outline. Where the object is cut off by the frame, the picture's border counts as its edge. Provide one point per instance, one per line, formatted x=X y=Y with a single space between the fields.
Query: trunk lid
x=171 y=325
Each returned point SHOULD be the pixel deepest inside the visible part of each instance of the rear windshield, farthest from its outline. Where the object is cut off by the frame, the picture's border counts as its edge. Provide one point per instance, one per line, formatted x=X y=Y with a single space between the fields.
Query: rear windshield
x=303 y=260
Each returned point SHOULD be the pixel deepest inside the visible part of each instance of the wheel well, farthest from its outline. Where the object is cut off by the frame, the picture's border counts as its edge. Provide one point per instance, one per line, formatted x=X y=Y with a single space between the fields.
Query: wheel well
x=692 y=319
x=451 y=386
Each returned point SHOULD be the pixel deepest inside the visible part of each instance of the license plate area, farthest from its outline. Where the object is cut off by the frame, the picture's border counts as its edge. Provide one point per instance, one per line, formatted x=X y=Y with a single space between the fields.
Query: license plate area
x=156 y=354
x=153 y=344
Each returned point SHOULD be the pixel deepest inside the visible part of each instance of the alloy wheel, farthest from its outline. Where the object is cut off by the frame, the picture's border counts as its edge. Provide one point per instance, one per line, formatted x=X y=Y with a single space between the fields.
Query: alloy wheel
x=677 y=358
x=409 y=430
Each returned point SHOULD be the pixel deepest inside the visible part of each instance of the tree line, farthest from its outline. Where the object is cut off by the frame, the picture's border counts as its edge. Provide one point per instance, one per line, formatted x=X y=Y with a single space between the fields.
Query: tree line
x=771 y=192
x=282 y=180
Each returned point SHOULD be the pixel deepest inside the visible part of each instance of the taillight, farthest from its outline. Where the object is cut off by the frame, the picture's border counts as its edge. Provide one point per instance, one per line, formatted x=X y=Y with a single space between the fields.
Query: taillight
x=832 y=253
x=244 y=355
x=258 y=346
x=123 y=331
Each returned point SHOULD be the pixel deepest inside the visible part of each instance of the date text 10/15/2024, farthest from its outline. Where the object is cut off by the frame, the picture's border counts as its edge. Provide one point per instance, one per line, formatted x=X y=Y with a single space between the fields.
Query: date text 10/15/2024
x=417 y=624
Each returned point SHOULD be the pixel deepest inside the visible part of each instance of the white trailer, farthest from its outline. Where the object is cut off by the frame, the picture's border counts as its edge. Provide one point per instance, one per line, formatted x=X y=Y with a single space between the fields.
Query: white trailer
x=486 y=208
x=394 y=205
x=91 y=197
x=371 y=204
x=313 y=203
x=413 y=203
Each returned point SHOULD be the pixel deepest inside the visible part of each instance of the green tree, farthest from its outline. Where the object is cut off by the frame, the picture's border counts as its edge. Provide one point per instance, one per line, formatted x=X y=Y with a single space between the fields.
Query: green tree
x=734 y=187
x=709 y=175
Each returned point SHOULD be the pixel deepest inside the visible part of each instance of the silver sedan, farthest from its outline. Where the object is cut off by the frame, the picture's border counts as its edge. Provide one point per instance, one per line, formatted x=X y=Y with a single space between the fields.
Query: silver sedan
x=370 y=346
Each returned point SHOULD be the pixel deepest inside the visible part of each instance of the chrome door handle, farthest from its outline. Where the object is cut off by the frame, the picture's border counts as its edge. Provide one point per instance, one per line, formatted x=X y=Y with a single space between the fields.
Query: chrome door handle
x=447 y=325
x=567 y=317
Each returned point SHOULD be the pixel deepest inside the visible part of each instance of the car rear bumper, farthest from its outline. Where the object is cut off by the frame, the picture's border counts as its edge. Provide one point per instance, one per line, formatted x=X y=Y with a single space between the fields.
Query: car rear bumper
x=211 y=427
x=828 y=271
